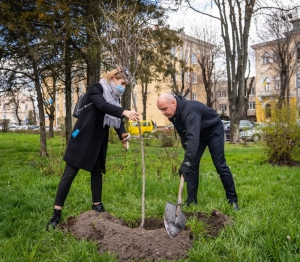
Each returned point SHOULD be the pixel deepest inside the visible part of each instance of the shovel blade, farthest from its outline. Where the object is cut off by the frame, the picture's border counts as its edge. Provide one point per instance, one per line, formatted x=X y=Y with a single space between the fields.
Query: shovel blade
x=173 y=223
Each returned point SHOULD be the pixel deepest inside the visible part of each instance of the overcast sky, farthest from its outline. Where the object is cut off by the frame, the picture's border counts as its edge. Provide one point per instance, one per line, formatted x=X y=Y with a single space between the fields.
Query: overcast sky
x=188 y=19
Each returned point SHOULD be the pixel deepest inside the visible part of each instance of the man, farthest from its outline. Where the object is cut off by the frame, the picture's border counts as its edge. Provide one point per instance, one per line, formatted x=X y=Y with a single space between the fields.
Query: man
x=198 y=127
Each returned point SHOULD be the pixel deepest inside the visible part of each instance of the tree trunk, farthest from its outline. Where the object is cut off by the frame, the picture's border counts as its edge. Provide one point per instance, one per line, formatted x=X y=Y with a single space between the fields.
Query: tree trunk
x=144 y=98
x=51 y=119
x=68 y=86
x=126 y=99
x=43 y=140
x=93 y=69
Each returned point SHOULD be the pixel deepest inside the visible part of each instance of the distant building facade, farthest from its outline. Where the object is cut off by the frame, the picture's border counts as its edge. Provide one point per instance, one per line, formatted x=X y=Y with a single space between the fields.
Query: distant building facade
x=268 y=85
x=192 y=80
x=221 y=102
x=16 y=109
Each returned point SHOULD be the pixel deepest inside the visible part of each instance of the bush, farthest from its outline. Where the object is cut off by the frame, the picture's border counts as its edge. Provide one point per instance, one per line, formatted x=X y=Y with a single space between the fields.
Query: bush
x=282 y=137
x=167 y=141
x=4 y=125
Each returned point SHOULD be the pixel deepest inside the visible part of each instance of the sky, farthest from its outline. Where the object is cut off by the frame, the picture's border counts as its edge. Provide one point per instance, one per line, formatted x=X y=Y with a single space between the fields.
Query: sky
x=188 y=19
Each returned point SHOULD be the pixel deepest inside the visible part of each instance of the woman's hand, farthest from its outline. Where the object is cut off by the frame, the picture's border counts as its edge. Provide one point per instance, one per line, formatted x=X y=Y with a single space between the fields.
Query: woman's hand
x=132 y=115
x=125 y=140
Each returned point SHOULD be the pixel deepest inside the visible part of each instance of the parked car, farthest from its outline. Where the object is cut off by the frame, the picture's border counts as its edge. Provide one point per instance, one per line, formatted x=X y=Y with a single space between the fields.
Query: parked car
x=244 y=125
x=170 y=126
x=147 y=127
x=225 y=122
x=254 y=134
x=12 y=127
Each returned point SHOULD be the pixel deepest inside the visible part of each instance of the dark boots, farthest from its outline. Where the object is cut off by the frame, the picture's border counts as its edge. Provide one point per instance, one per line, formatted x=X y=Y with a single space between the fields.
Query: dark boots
x=55 y=219
x=57 y=214
x=99 y=208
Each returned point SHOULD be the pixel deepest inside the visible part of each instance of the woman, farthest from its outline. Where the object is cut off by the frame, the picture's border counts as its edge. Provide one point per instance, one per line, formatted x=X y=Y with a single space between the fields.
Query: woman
x=87 y=146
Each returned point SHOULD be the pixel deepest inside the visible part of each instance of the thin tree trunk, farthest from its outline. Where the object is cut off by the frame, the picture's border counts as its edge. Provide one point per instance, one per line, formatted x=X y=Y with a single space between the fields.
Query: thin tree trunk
x=43 y=140
x=68 y=86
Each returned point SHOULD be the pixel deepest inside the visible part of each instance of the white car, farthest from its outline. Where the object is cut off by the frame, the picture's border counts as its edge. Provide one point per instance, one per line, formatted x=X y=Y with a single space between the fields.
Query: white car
x=253 y=134
x=12 y=127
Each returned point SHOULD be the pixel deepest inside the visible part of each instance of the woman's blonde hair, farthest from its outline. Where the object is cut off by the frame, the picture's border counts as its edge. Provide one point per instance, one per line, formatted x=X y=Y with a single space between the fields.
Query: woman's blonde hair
x=118 y=73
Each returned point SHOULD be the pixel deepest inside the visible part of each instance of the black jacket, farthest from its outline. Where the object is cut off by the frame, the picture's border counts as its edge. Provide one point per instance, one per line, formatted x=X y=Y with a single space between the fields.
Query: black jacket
x=194 y=121
x=92 y=138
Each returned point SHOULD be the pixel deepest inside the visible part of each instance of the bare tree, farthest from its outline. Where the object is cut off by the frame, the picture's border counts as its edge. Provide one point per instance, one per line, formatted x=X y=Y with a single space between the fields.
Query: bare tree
x=278 y=51
x=235 y=19
x=153 y=60
x=128 y=32
x=210 y=56
x=177 y=66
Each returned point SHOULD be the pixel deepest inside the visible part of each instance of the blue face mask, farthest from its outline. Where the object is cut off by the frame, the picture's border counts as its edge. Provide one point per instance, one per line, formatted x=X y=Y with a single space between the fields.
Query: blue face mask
x=120 y=88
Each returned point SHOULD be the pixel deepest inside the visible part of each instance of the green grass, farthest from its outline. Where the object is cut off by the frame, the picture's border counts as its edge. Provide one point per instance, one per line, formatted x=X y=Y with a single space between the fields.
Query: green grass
x=266 y=228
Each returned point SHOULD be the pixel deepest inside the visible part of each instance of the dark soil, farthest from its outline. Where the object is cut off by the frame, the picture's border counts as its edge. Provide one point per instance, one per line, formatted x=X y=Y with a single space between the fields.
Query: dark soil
x=131 y=243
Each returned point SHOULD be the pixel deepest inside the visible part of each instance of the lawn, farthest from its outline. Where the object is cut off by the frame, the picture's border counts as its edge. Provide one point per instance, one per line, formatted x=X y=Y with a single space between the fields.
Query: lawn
x=266 y=228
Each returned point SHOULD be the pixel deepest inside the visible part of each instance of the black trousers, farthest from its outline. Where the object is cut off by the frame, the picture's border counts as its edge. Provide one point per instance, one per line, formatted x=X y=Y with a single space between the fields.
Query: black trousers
x=215 y=144
x=67 y=178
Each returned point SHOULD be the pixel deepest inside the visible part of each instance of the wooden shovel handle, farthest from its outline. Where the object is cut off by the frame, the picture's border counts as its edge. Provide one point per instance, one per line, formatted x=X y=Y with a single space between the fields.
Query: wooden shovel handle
x=179 y=200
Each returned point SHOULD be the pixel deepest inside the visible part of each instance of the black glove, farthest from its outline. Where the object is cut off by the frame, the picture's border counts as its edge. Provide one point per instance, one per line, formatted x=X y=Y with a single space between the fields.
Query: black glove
x=184 y=169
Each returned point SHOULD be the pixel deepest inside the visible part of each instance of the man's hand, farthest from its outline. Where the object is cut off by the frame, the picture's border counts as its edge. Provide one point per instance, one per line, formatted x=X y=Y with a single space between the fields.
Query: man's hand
x=125 y=140
x=184 y=169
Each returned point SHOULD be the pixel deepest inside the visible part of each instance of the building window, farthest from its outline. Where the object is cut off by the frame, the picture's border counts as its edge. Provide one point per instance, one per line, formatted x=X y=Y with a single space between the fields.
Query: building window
x=222 y=93
x=194 y=78
x=187 y=77
x=252 y=92
x=26 y=106
x=277 y=83
x=267 y=84
x=194 y=59
x=275 y=56
x=173 y=51
x=194 y=96
x=251 y=105
x=267 y=59
x=222 y=107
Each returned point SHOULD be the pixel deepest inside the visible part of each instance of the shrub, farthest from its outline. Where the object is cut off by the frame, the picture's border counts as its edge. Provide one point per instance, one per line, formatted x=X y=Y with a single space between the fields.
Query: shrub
x=4 y=125
x=282 y=137
x=167 y=141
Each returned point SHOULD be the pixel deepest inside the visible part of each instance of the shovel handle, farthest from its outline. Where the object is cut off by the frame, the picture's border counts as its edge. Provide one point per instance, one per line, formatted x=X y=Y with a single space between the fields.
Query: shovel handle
x=179 y=200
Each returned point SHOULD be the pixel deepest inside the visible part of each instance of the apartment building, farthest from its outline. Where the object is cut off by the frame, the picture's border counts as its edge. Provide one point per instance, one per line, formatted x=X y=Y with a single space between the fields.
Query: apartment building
x=191 y=79
x=221 y=103
x=268 y=81
x=16 y=108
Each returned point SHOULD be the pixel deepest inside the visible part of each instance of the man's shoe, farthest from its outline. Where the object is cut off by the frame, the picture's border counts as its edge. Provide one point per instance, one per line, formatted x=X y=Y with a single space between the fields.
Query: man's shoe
x=189 y=202
x=235 y=206
x=55 y=219
x=99 y=208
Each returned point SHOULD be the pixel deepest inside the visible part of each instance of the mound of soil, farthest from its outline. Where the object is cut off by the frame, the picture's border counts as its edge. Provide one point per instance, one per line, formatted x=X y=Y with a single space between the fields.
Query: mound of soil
x=151 y=242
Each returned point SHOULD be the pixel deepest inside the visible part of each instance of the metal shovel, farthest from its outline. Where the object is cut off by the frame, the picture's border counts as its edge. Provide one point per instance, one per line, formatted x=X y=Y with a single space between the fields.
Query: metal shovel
x=174 y=218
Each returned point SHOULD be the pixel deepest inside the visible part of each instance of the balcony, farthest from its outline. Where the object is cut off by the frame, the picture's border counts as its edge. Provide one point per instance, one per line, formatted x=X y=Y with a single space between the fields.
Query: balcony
x=268 y=93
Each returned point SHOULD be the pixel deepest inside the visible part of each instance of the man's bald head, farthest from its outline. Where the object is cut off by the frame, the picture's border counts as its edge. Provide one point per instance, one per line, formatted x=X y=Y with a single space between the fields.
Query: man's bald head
x=167 y=104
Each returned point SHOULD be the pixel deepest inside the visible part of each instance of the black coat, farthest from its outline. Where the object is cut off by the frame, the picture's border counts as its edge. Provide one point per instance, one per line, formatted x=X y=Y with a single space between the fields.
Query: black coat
x=194 y=121
x=92 y=138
